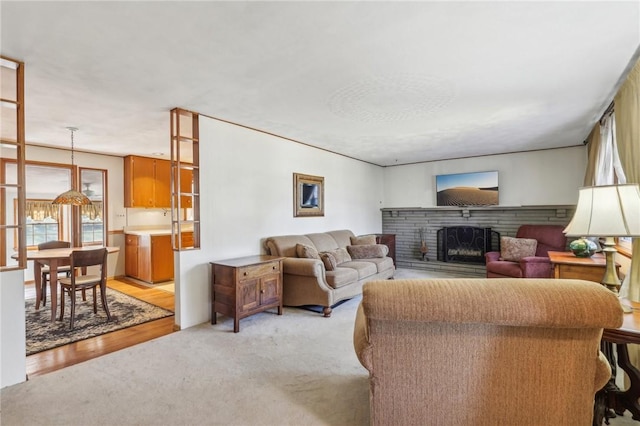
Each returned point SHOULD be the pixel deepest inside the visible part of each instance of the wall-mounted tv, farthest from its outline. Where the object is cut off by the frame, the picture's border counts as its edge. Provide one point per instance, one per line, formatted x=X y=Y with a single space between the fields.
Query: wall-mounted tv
x=467 y=189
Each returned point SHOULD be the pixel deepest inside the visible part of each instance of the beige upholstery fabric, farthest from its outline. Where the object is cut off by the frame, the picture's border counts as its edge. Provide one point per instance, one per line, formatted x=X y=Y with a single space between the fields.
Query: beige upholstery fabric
x=367 y=251
x=514 y=249
x=307 y=252
x=310 y=282
x=363 y=240
x=482 y=351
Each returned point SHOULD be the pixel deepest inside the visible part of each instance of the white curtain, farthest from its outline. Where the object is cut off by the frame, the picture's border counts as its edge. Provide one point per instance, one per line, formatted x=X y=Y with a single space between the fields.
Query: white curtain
x=608 y=166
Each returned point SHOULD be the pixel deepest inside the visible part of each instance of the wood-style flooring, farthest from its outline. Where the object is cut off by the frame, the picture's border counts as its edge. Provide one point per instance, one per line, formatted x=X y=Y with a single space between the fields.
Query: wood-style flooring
x=74 y=353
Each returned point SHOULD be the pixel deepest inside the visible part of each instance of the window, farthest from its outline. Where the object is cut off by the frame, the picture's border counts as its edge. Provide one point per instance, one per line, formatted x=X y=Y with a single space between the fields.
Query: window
x=92 y=222
x=42 y=222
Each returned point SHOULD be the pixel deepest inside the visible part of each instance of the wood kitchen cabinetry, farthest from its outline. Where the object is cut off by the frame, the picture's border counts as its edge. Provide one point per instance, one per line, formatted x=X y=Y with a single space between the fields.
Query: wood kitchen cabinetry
x=147 y=182
x=149 y=258
x=245 y=286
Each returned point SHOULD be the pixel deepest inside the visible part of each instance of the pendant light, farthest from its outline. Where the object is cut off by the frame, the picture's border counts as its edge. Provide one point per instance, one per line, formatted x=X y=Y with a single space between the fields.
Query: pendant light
x=72 y=197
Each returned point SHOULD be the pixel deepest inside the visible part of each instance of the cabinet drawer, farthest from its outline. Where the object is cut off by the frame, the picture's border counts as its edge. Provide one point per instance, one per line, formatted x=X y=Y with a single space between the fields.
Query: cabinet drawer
x=254 y=271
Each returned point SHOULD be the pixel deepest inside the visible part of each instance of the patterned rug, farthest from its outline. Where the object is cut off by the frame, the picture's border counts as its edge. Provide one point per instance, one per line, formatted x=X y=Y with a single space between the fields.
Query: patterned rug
x=126 y=311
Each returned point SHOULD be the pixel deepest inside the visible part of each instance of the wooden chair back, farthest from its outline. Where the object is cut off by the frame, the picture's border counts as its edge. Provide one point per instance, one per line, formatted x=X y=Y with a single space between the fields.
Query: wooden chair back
x=53 y=245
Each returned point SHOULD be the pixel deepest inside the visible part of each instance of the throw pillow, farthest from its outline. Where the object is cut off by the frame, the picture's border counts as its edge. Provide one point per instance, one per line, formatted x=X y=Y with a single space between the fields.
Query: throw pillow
x=515 y=249
x=363 y=240
x=305 y=251
x=340 y=255
x=329 y=261
x=368 y=251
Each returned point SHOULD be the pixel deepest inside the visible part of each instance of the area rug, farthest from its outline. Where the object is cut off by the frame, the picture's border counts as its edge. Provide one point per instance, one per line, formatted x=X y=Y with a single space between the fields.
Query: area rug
x=126 y=311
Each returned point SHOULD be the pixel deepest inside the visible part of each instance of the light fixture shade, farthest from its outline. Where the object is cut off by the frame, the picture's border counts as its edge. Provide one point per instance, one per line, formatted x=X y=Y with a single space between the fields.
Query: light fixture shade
x=73 y=198
x=606 y=211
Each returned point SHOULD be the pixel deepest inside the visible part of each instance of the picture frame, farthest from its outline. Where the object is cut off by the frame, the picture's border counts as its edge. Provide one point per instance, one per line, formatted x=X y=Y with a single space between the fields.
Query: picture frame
x=308 y=195
x=467 y=189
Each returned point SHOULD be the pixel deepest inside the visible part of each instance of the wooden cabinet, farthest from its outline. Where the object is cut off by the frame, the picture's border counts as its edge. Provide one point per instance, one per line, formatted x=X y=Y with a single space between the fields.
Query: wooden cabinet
x=131 y=255
x=245 y=286
x=388 y=240
x=567 y=266
x=147 y=182
x=149 y=257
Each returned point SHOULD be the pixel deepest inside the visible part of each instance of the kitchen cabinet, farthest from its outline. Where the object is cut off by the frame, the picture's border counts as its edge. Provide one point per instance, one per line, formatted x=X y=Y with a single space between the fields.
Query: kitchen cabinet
x=147 y=182
x=245 y=286
x=148 y=257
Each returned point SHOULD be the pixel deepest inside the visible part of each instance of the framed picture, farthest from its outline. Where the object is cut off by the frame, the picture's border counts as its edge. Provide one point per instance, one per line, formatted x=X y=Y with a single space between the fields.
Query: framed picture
x=467 y=189
x=308 y=195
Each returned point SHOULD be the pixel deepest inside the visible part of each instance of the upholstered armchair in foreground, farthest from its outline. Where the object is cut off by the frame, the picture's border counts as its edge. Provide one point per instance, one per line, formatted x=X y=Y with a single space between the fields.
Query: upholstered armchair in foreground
x=484 y=352
x=525 y=256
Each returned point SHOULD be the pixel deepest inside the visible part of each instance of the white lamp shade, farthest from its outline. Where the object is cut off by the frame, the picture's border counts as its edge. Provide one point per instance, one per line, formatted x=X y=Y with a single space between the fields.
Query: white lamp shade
x=606 y=211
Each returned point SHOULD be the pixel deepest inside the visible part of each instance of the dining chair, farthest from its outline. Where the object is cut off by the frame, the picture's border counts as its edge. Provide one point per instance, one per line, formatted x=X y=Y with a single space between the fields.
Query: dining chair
x=64 y=269
x=81 y=259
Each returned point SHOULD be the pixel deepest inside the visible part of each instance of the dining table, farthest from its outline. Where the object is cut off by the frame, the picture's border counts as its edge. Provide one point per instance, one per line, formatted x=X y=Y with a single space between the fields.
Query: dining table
x=53 y=258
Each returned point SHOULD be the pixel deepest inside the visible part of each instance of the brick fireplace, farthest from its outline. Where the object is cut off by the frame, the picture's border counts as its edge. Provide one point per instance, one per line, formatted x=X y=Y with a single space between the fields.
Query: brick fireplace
x=407 y=224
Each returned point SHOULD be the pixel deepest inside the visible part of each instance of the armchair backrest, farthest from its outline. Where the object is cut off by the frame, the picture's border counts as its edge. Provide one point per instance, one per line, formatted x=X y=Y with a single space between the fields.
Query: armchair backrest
x=549 y=237
x=484 y=352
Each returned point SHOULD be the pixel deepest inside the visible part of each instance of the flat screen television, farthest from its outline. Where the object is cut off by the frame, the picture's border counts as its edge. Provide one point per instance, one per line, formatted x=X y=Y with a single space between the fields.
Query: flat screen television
x=467 y=189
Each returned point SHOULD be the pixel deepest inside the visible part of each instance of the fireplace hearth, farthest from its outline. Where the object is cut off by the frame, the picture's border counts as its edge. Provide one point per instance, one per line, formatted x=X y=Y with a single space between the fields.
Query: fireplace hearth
x=465 y=244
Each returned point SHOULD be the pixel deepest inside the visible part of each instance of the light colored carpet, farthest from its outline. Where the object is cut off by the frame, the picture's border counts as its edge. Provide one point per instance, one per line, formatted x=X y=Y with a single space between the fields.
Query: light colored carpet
x=294 y=369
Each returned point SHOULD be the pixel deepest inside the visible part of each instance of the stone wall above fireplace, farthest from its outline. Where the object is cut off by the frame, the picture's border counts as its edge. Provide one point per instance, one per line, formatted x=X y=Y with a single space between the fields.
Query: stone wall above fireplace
x=406 y=224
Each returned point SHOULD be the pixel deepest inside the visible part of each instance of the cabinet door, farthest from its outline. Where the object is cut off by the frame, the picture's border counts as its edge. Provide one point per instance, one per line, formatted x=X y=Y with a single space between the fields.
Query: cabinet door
x=161 y=258
x=139 y=182
x=270 y=289
x=249 y=295
x=131 y=256
x=162 y=190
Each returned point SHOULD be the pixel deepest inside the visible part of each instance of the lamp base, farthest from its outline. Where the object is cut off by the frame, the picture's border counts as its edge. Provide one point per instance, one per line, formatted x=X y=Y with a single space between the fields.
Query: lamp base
x=610 y=279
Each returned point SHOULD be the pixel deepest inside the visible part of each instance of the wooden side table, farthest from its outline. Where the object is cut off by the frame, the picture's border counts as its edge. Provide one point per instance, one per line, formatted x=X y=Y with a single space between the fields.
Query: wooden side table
x=566 y=265
x=244 y=286
x=388 y=240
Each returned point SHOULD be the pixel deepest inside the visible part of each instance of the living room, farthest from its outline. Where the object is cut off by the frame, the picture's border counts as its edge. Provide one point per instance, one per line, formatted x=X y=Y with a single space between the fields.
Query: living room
x=246 y=195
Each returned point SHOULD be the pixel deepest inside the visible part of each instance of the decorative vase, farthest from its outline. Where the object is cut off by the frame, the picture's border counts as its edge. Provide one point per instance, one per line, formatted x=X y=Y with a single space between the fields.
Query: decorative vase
x=583 y=247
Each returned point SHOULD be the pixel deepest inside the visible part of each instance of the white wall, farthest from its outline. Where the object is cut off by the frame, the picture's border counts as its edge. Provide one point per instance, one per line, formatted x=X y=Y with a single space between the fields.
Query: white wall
x=246 y=187
x=13 y=366
x=530 y=178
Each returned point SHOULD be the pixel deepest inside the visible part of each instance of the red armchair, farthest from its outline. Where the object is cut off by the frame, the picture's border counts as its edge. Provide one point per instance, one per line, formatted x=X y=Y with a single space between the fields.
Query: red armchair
x=549 y=238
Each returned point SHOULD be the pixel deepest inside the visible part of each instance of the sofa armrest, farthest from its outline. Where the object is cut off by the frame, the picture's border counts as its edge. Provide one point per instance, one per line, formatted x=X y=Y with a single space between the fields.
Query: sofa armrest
x=361 y=342
x=535 y=267
x=603 y=372
x=534 y=259
x=303 y=267
x=492 y=256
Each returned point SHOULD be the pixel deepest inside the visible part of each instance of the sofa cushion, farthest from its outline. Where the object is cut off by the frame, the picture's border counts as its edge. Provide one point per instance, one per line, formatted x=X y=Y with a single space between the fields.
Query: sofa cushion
x=340 y=254
x=308 y=252
x=329 y=261
x=515 y=249
x=341 y=277
x=363 y=240
x=285 y=245
x=367 y=251
x=364 y=268
x=323 y=241
x=382 y=263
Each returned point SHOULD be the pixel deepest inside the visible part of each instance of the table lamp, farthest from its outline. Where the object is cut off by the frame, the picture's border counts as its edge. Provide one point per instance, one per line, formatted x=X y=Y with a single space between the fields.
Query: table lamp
x=607 y=211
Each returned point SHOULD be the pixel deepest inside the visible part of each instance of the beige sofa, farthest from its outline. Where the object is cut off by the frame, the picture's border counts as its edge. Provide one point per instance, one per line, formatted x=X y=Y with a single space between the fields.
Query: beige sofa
x=484 y=351
x=325 y=268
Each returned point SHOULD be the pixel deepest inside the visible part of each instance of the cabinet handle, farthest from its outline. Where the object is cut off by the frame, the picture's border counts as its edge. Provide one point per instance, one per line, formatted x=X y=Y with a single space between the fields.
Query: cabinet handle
x=245 y=274
x=262 y=290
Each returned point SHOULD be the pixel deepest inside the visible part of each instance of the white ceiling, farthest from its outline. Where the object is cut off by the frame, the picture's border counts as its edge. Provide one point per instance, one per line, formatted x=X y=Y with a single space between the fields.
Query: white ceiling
x=385 y=82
